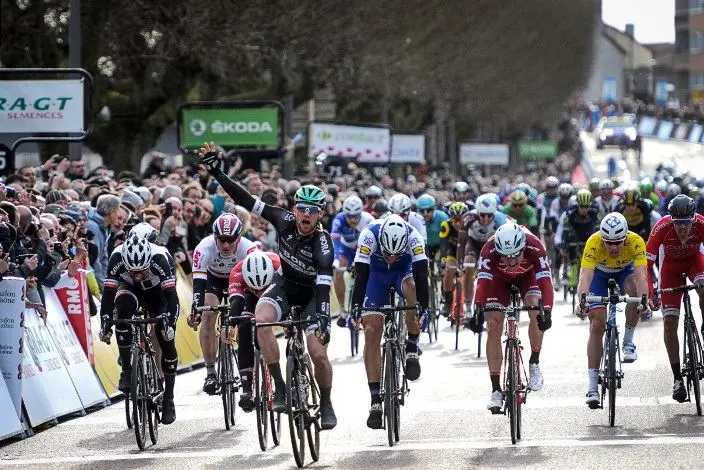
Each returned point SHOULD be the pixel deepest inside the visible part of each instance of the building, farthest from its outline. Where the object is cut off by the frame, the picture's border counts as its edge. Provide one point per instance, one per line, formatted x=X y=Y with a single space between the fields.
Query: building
x=689 y=50
x=665 y=78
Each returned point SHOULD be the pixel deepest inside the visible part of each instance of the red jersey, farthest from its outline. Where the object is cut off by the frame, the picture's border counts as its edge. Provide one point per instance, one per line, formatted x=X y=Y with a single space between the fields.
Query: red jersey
x=663 y=235
x=535 y=260
x=238 y=286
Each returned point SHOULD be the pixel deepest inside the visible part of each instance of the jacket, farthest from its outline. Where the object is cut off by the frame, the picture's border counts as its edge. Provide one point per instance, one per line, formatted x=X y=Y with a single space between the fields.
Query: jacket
x=96 y=225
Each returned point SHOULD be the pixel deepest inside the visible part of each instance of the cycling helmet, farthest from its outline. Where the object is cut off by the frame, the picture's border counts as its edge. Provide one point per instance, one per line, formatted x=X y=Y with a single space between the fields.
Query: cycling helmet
x=510 y=239
x=551 y=182
x=584 y=198
x=380 y=207
x=227 y=225
x=613 y=227
x=661 y=186
x=486 y=204
x=681 y=207
x=258 y=270
x=631 y=195
x=594 y=184
x=693 y=191
x=645 y=186
x=565 y=190
x=606 y=184
x=399 y=203
x=393 y=236
x=426 y=201
x=457 y=210
x=673 y=190
x=373 y=191
x=525 y=187
x=145 y=230
x=136 y=253
x=460 y=187
x=310 y=195
x=352 y=206
x=517 y=197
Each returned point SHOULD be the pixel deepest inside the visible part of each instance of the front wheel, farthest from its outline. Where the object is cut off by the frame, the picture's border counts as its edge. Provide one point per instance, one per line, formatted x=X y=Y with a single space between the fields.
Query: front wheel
x=511 y=391
x=312 y=411
x=611 y=378
x=296 y=411
x=694 y=361
x=262 y=398
x=389 y=392
x=138 y=394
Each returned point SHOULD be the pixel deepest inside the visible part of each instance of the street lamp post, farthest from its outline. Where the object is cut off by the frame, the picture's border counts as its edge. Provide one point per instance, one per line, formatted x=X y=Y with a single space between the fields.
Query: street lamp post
x=74 y=58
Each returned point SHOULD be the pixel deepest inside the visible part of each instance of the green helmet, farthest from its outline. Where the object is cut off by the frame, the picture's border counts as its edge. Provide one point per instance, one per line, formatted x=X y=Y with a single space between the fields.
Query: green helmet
x=645 y=186
x=584 y=198
x=311 y=195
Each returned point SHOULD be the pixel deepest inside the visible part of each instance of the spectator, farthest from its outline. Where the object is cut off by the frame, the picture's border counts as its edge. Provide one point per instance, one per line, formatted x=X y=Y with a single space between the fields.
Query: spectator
x=105 y=214
x=174 y=232
x=77 y=170
x=156 y=165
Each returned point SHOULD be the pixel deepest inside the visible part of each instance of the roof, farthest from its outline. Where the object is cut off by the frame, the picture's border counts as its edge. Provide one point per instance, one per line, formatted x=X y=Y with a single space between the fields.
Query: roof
x=642 y=56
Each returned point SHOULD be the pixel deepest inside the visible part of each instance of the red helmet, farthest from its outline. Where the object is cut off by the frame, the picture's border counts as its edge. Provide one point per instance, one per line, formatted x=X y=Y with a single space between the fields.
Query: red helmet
x=227 y=225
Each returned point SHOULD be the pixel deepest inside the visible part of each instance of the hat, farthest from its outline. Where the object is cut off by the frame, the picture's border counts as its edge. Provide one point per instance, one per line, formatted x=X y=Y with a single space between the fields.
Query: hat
x=142 y=192
x=75 y=212
x=132 y=198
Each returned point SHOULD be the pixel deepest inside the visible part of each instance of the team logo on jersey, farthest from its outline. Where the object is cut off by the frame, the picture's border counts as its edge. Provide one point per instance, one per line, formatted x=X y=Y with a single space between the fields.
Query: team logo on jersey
x=196 y=259
x=365 y=250
x=483 y=263
x=418 y=250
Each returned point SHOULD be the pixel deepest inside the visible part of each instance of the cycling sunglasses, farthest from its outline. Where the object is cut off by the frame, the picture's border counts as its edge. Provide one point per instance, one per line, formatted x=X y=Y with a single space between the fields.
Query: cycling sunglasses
x=353 y=217
x=313 y=210
x=426 y=211
x=227 y=239
x=613 y=243
x=488 y=216
x=518 y=206
x=683 y=221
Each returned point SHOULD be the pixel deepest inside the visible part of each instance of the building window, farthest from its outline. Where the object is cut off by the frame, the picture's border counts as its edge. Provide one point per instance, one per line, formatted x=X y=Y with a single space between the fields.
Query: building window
x=696 y=4
x=696 y=80
x=696 y=41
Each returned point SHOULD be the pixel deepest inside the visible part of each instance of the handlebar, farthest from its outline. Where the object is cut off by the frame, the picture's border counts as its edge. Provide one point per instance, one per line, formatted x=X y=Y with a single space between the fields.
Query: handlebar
x=140 y=321
x=522 y=308
x=668 y=290
x=614 y=299
x=286 y=323
x=211 y=308
x=388 y=309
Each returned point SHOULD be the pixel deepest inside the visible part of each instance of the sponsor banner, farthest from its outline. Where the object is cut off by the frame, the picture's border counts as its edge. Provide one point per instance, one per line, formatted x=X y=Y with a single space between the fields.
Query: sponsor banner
x=537 y=149
x=47 y=388
x=11 y=341
x=609 y=90
x=661 y=92
x=647 y=124
x=106 y=357
x=681 y=132
x=408 y=148
x=230 y=127
x=74 y=300
x=31 y=106
x=368 y=144
x=484 y=154
x=9 y=421
x=695 y=133
x=71 y=351
x=664 y=130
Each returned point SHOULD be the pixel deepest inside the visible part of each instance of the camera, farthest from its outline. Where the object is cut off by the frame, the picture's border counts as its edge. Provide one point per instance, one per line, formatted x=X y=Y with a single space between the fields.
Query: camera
x=11 y=192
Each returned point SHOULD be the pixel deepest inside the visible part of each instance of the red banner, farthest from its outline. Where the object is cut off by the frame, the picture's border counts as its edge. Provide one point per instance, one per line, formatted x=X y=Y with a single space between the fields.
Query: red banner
x=74 y=300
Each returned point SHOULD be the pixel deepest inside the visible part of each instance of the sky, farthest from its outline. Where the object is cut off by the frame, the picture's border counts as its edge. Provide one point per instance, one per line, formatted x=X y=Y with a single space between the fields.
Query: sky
x=653 y=19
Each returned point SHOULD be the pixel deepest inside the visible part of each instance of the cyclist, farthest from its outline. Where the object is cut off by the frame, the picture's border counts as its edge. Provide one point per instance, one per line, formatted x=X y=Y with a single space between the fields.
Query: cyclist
x=478 y=226
x=607 y=200
x=433 y=220
x=146 y=230
x=616 y=253
x=680 y=235
x=561 y=204
x=346 y=227
x=371 y=195
x=639 y=212
x=512 y=255
x=576 y=225
x=248 y=281
x=306 y=261
x=400 y=204
x=139 y=274
x=449 y=234
x=673 y=190
x=518 y=209
x=390 y=253
x=461 y=193
x=549 y=224
x=213 y=259
x=594 y=184
x=647 y=191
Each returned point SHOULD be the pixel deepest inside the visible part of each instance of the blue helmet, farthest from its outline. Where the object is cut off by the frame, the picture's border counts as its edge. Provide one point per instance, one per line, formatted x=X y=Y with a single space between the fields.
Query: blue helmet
x=426 y=201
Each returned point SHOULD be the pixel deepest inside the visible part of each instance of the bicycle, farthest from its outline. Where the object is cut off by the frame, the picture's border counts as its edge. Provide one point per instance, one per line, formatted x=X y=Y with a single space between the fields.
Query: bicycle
x=610 y=372
x=352 y=326
x=394 y=385
x=692 y=352
x=433 y=308
x=146 y=390
x=515 y=377
x=228 y=382
x=575 y=266
x=456 y=318
x=302 y=393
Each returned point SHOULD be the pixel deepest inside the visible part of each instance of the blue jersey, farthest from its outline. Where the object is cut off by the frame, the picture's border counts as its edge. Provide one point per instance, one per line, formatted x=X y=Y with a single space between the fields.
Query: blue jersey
x=343 y=234
x=369 y=250
x=432 y=228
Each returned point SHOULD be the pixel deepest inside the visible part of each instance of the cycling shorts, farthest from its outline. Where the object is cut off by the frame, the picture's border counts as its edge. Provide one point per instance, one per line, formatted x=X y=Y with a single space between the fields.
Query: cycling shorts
x=671 y=271
x=498 y=293
x=377 y=292
x=600 y=282
x=217 y=286
x=282 y=295
x=346 y=251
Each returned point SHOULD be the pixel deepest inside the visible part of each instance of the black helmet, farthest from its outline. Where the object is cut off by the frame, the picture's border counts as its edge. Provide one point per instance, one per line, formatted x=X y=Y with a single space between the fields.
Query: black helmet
x=380 y=207
x=681 y=207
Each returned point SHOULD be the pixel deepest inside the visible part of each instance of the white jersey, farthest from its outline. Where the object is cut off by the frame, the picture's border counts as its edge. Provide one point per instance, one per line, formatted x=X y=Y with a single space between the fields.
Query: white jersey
x=607 y=207
x=556 y=208
x=418 y=222
x=208 y=260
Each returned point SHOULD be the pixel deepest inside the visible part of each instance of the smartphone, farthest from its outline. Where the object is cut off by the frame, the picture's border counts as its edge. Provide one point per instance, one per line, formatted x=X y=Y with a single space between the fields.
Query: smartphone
x=169 y=210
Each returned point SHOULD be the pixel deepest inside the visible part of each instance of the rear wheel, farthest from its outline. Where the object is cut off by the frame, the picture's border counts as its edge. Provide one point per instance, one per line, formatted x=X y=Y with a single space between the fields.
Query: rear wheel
x=296 y=411
x=128 y=411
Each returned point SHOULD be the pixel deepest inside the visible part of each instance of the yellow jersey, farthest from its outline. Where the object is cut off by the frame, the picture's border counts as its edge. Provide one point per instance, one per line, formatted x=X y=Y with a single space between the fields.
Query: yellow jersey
x=595 y=255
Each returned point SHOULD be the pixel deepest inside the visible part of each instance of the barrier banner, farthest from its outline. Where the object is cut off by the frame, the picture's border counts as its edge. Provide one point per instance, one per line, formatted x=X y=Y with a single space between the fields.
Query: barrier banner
x=74 y=357
x=646 y=126
x=74 y=300
x=681 y=131
x=47 y=388
x=695 y=133
x=106 y=356
x=187 y=342
x=9 y=422
x=664 y=130
x=11 y=341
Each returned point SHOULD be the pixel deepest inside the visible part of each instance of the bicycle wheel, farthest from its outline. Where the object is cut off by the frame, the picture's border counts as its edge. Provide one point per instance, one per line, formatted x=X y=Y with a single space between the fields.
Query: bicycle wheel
x=262 y=398
x=354 y=341
x=694 y=358
x=520 y=394
x=431 y=310
x=152 y=407
x=224 y=373
x=296 y=411
x=399 y=395
x=312 y=410
x=389 y=392
x=275 y=421
x=128 y=411
x=511 y=402
x=138 y=395
x=611 y=374
x=458 y=313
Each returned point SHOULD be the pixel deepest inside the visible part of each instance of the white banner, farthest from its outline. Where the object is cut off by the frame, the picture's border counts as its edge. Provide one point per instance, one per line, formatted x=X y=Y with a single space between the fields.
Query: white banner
x=408 y=148
x=47 y=389
x=484 y=154
x=366 y=143
x=84 y=379
x=30 y=106
x=11 y=323
x=9 y=422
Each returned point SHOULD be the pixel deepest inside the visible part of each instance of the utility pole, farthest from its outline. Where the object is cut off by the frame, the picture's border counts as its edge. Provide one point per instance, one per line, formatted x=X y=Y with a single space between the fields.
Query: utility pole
x=74 y=59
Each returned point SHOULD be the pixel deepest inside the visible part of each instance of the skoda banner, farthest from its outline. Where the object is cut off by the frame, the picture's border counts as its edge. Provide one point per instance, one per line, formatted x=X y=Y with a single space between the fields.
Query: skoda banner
x=408 y=148
x=229 y=127
x=367 y=143
x=32 y=106
x=537 y=149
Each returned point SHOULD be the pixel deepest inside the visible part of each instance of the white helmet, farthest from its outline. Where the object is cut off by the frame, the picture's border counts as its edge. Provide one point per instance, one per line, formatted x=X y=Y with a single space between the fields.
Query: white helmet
x=373 y=191
x=146 y=231
x=551 y=182
x=460 y=187
x=486 y=204
x=510 y=239
x=399 y=203
x=258 y=270
x=352 y=205
x=565 y=190
x=606 y=184
x=661 y=185
x=393 y=236
x=136 y=253
x=613 y=227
